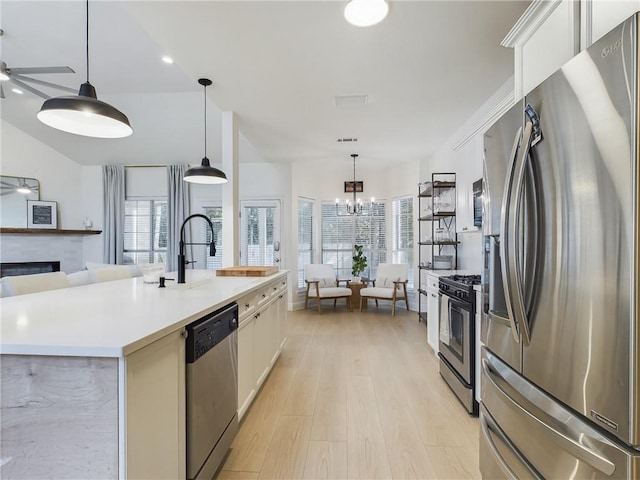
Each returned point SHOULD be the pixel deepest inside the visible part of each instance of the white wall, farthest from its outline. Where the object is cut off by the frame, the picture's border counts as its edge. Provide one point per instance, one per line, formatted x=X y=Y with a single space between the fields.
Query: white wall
x=77 y=190
x=60 y=177
x=466 y=161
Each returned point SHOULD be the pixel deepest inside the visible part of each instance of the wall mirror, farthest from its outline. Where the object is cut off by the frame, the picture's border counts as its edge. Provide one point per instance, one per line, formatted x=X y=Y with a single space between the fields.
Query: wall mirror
x=14 y=193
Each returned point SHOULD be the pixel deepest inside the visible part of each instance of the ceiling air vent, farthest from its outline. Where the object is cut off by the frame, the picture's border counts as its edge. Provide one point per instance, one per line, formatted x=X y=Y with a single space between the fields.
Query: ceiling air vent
x=346 y=140
x=350 y=100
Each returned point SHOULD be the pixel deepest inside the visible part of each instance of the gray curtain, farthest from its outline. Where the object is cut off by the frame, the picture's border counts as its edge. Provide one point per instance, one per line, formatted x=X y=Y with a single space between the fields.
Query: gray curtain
x=177 y=209
x=113 y=183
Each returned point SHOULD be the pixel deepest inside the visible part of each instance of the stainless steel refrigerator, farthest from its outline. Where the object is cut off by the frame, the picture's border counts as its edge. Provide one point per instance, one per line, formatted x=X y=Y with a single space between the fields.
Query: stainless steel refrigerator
x=560 y=363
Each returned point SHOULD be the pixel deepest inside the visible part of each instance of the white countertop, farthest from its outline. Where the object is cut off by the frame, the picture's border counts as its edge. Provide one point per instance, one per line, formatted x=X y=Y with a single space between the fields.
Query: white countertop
x=445 y=273
x=113 y=319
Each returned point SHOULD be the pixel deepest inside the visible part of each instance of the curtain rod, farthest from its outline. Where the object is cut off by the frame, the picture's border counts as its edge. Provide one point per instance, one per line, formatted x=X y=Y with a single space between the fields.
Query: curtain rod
x=147 y=166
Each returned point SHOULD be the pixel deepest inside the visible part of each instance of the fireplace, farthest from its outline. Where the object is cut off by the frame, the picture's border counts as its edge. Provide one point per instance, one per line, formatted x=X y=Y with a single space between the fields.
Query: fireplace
x=8 y=269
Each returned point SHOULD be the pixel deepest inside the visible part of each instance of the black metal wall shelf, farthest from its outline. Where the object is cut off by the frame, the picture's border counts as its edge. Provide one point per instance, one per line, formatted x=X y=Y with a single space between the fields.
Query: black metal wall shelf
x=435 y=218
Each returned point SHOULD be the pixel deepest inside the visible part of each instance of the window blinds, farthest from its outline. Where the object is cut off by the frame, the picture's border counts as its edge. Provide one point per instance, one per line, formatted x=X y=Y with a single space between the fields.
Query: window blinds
x=305 y=238
x=341 y=233
x=258 y=235
x=402 y=233
x=215 y=215
x=145 y=231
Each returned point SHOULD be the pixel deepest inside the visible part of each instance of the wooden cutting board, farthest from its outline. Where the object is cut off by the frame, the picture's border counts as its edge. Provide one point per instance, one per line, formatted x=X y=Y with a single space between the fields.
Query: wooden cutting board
x=244 y=271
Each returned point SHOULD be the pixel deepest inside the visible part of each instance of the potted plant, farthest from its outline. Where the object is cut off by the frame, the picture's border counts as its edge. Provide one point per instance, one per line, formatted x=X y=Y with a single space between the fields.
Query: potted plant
x=359 y=263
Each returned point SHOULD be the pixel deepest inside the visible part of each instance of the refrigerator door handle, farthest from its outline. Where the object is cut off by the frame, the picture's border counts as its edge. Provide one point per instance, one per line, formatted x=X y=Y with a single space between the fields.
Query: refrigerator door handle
x=488 y=432
x=494 y=374
x=512 y=218
x=504 y=261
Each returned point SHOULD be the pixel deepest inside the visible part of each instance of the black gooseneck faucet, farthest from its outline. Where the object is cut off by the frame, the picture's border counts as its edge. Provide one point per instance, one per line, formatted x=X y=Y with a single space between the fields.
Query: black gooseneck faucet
x=182 y=261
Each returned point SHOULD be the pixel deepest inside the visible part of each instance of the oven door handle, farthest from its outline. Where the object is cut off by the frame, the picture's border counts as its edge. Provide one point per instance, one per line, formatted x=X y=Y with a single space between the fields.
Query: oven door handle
x=445 y=306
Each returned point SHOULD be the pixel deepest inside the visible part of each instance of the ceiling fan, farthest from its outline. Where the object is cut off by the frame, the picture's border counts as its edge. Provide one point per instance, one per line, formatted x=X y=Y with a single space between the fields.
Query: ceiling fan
x=18 y=78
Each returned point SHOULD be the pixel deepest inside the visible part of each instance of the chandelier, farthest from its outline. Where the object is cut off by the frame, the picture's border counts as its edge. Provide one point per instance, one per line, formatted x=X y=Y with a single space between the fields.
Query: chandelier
x=354 y=206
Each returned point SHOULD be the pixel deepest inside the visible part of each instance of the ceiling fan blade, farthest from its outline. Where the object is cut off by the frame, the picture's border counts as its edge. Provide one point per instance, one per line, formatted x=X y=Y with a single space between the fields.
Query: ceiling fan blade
x=29 y=88
x=43 y=70
x=43 y=83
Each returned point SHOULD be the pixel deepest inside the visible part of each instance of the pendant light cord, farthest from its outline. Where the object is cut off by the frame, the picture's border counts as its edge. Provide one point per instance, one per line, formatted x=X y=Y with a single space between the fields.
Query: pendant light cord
x=354 y=178
x=204 y=90
x=87 y=41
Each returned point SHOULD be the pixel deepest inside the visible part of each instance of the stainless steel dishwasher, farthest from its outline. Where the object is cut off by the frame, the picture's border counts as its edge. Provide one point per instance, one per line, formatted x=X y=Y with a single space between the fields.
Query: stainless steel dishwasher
x=212 y=390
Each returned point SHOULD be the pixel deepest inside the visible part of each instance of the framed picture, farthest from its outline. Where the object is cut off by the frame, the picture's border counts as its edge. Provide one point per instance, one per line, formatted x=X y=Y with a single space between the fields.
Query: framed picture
x=350 y=187
x=41 y=214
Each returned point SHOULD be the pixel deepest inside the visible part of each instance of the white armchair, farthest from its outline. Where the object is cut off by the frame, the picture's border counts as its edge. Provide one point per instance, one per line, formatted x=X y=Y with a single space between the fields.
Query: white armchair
x=322 y=284
x=390 y=284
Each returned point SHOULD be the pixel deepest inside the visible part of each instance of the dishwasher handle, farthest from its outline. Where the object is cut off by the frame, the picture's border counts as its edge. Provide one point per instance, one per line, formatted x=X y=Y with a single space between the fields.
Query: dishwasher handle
x=208 y=331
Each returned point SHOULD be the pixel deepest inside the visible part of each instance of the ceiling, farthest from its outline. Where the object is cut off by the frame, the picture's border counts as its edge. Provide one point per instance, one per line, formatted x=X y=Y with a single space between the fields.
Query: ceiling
x=277 y=64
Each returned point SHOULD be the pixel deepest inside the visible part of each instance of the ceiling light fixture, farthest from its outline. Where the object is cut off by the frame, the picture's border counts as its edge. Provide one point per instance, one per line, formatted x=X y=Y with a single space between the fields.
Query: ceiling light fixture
x=205 y=173
x=355 y=206
x=364 y=13
x=167 y=59
x=84 y=114
x=17 y=90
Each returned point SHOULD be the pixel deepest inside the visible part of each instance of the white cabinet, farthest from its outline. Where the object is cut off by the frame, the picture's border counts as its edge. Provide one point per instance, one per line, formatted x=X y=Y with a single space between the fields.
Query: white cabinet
x=155 y=410
x=264 y=326
x=550 y=33
x=545 y=37
x=246 y=385
x=282 y=318
x=433 y=312
x=607 y=14
x=552 y=44
x=468 y=170
x=261 y=336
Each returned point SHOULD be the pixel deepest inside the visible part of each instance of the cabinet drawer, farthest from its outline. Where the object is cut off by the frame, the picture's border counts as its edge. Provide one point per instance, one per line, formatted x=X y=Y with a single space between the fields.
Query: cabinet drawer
x=246 y=306
x=279 y=287
x=432 y=283
x=263 y=295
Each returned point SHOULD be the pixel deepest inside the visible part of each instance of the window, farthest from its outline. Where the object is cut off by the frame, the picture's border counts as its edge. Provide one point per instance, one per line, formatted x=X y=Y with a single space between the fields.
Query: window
x=214 y=213
x=341 y=233
x=305 y=238
x=145 y=231
x=402 y=236
x=259 y=224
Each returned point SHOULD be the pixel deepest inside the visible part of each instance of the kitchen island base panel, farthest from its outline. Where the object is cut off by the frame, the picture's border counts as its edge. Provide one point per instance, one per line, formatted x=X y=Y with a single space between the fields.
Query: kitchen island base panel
x=57 y=409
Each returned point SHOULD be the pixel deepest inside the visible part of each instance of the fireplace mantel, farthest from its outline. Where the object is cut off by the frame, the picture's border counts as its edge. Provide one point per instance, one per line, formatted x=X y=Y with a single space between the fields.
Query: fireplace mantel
x=47 y=231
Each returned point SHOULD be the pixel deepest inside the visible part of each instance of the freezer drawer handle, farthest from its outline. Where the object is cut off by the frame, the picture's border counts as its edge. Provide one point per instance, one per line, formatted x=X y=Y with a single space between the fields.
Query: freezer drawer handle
x=567 y=443
x=487 y=433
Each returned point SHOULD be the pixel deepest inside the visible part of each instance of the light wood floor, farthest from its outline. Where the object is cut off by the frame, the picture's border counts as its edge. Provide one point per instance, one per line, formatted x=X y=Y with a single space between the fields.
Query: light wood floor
x=355 y=396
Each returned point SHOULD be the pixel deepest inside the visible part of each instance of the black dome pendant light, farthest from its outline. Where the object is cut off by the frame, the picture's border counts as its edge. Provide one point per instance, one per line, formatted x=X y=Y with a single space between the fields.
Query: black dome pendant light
x=84 y=114
x=205 y=173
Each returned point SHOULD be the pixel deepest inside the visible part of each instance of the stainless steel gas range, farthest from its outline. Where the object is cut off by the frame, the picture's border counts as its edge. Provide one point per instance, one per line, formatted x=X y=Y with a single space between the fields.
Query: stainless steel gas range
x=458 y=337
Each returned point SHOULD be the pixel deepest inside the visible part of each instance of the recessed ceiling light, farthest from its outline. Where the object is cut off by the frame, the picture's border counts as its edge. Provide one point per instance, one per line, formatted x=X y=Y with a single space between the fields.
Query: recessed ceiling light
x=350 y=100
x=17 y=90
x=364 y=13
x=167 y=59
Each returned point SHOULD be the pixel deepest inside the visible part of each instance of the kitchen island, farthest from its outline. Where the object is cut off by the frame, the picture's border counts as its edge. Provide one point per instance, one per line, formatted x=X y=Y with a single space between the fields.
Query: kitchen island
x=93 y=377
